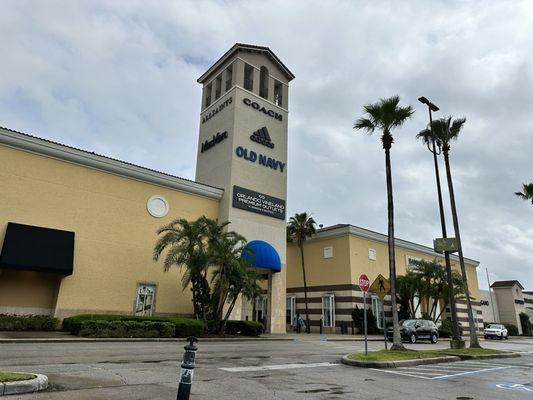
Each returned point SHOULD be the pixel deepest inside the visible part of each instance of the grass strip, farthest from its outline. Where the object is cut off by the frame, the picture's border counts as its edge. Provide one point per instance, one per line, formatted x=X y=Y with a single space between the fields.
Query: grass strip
x=394 y=355
x=14 y=376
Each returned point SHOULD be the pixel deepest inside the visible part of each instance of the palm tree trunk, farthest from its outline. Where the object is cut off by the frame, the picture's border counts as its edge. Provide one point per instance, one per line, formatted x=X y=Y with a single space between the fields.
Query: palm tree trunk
x=307 y=327
x=474 y=342
x=456 y=334
x=397 y=340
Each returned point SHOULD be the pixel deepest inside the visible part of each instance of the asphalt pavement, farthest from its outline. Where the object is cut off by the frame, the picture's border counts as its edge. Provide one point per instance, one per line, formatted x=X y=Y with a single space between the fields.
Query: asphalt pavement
x=302 y=368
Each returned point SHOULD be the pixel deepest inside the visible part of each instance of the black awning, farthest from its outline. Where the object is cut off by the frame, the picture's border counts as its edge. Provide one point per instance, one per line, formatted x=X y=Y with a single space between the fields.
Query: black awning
x=32 y=248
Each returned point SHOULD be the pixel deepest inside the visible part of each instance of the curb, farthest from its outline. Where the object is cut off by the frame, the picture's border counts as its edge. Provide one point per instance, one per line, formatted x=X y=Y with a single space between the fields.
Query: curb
x=135 y=340
x=40 y=382
x=399 y=363
x=488 y=356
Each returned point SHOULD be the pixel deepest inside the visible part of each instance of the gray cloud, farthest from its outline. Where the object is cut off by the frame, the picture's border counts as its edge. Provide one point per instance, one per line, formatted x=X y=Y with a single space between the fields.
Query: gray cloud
x=119 y=78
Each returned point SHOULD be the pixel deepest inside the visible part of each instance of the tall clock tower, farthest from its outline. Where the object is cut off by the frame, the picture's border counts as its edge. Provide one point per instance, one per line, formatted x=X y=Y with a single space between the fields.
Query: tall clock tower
x=242 y=148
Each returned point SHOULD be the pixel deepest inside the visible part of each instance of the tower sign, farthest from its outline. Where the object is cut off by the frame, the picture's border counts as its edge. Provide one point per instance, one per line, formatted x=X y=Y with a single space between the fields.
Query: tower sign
x=245 y=96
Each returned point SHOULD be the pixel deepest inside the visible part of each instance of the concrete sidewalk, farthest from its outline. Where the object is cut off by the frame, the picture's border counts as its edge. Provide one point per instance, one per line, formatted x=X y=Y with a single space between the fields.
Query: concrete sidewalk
x=58 y=337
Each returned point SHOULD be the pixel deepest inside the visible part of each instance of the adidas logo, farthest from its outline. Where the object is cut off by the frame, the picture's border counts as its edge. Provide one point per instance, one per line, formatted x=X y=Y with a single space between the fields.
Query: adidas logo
x=261 y=136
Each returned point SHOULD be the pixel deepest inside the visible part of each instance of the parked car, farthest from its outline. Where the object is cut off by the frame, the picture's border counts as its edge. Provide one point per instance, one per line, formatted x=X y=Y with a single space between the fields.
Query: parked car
x=496 y=331
x=413 y=330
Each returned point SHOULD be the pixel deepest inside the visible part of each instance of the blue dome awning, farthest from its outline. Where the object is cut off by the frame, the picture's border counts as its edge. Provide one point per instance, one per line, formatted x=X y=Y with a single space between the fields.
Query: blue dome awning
x=262 y=255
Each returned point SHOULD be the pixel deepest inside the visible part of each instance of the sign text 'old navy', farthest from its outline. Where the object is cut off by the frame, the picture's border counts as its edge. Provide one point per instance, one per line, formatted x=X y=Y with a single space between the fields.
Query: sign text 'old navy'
x=261 y=159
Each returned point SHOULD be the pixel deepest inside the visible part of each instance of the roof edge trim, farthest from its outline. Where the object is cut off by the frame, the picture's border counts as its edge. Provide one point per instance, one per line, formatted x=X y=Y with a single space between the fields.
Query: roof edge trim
x=244 y=46
x=379 y=237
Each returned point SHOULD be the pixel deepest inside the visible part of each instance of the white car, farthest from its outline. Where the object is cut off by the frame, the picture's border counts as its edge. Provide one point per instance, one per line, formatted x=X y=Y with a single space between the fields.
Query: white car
x=496 y=331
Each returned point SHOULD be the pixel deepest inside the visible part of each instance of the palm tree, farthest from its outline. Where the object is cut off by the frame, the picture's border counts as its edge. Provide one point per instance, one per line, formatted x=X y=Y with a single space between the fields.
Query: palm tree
x=428 y=139
x=300 y=227
x=527 y=192
x=386 y=115
x=232 y=274
x=187 y=248
x=445 y=130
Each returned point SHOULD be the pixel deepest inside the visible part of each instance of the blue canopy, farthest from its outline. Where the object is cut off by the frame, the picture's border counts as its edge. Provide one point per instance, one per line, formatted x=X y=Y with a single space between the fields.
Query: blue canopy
x=262 y=255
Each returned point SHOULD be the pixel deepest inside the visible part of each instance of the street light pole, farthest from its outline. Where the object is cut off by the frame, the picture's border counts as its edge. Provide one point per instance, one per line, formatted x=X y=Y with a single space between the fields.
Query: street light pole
x=456 y=334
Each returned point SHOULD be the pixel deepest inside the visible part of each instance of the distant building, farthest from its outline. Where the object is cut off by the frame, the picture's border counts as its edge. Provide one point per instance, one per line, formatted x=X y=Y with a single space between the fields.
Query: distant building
x=505 y=303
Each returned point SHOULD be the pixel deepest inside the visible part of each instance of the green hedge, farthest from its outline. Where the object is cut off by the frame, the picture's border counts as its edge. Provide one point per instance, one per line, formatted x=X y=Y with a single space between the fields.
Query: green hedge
x=27 y=323
x=183 y=327
x=244 y=328
x=129 y=329
x=445 y=330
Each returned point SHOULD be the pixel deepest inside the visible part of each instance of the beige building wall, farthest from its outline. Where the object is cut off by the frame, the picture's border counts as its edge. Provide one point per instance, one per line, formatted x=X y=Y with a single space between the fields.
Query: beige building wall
x=351 y=258
x=114 y=239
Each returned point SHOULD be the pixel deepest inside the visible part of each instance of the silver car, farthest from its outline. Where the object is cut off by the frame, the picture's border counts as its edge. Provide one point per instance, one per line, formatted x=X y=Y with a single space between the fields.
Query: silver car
x=496 y=331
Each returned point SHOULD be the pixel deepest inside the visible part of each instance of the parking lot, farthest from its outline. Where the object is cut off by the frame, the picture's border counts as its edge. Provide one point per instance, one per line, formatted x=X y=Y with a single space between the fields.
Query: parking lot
x=306 y=368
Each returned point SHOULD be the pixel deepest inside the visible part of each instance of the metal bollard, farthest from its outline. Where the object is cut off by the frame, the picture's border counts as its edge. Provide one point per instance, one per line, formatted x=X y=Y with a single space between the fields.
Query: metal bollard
x=187 y=369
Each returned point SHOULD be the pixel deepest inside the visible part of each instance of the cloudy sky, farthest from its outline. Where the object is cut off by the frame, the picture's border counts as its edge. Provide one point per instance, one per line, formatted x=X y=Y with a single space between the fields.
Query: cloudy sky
x=119 y=78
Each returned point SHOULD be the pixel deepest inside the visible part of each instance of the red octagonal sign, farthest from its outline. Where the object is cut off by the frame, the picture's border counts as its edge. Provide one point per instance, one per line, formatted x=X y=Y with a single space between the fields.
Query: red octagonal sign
x=364 y=283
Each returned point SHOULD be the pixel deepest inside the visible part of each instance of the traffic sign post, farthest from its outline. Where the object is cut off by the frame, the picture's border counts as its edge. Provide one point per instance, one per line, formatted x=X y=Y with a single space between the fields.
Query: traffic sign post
x=364 y=285
x=381 y=287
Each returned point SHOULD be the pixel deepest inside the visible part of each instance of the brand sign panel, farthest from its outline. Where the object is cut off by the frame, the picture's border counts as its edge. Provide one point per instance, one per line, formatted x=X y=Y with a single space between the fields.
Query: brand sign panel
x=258 y=203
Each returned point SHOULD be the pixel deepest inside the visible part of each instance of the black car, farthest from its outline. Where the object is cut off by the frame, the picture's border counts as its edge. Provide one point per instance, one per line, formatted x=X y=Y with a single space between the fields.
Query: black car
x=416 y=329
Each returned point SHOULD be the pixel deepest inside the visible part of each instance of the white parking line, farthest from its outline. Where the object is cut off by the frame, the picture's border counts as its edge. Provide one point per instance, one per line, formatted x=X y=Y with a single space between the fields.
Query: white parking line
x=440 y=371
x=278 y=367
x=472 y=372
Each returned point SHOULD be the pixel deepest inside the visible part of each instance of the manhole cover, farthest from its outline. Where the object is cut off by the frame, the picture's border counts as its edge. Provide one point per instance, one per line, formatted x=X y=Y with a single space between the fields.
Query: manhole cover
x=464 y=398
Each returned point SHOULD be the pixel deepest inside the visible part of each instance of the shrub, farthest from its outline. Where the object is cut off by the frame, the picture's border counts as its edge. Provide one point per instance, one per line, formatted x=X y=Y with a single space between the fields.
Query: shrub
x=119 y=329
x=358 y=319
x=183 y=327
x=27 y=322
x=445 y=330
x=244 y=328
x=512 y=330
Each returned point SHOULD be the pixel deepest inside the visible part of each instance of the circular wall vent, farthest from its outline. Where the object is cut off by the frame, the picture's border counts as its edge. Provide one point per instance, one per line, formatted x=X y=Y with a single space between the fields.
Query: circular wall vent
x=157 y=206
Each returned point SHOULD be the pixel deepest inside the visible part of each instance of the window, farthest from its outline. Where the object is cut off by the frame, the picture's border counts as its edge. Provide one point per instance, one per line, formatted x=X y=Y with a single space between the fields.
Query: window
x=372 y=254
x=218 y=86
x=278 y=93
x=260 y=309
x=248 y=77
x=144 y=304
x=328 y=310
x=290 y=315
x=229 y=77
x=328 y=252
x=208 y=95
x=263 y=83
x=377 y=310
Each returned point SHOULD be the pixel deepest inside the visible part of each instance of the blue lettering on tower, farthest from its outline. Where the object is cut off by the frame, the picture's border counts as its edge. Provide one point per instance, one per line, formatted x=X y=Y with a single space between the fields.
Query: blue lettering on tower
x=252 y=156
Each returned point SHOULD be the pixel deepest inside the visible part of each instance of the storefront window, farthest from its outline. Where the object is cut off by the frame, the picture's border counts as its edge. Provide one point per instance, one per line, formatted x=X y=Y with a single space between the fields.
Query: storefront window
x=144 y=305
x=290 y=315
x=260 y=308
x=328 y=310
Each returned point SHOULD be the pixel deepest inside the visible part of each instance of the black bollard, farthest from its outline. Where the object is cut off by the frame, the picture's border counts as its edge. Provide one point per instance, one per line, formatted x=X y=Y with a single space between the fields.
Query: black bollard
x=187 y=369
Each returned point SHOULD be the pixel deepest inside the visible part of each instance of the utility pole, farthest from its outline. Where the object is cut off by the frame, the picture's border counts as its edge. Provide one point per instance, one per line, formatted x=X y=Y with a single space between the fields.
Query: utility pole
x=456 y=342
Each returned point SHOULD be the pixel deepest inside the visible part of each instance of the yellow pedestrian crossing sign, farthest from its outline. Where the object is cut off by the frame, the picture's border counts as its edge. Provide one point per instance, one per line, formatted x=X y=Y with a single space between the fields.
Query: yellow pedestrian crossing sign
x=380 y=286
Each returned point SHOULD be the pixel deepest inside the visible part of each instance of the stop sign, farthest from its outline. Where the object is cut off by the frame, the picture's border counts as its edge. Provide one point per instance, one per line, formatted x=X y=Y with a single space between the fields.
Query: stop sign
x=364 y=283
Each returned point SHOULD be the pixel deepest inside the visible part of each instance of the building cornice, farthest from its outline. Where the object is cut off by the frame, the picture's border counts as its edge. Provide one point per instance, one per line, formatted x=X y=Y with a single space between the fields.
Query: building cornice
x=73 y=155
x=345 y=230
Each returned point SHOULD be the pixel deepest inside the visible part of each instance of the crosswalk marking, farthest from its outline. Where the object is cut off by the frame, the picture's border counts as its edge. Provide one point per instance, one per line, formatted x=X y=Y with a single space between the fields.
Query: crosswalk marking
x=278 y=367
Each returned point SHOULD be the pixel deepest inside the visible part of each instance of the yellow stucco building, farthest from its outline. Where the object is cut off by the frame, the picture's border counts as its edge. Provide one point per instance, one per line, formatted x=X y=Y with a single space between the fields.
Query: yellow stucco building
x=335 y=258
